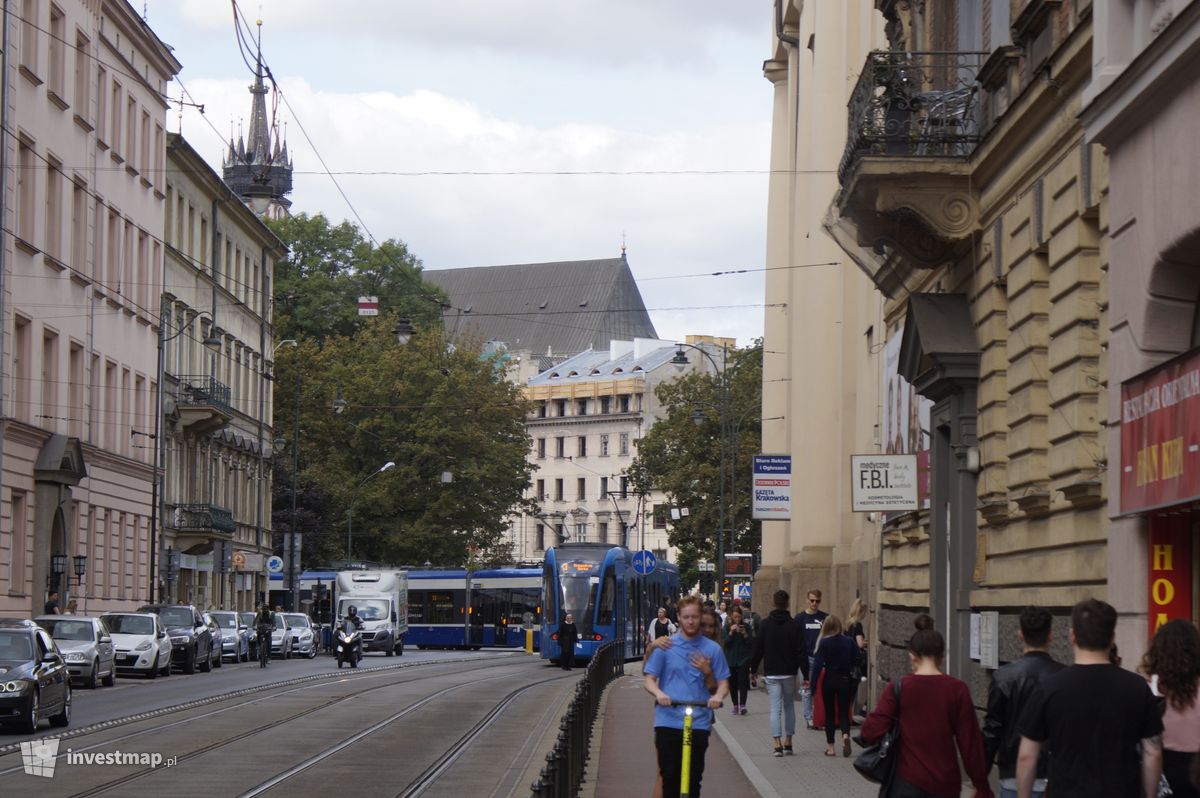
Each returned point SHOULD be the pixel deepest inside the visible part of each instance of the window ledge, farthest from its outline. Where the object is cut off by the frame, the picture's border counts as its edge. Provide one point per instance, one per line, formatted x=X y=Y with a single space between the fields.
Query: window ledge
x=56 y=99
x=132 y=170
x=53 y=262
x=145 y=183
x=25 y=246
x=101 y=143
x=30 y=76
x=116 y=156
x=85 y=125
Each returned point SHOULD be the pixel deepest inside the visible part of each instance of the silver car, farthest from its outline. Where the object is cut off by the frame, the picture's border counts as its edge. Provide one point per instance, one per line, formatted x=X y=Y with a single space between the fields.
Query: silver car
x=235 y=635
x=304 y=640
x=86 y=645
x=281 y=637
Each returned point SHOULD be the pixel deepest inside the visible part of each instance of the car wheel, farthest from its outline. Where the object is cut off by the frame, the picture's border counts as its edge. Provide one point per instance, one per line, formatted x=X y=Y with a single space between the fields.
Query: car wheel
x=63 y=718
x=94 y=680
x=166 y=669
x=219 y=660
x=312 y=652
x=111 y=678
x=29 y=722
x=154 y=670
x=190 y=665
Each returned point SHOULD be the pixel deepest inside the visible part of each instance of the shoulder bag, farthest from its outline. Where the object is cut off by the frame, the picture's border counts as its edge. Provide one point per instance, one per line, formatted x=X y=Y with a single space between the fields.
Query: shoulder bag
x=877 y=762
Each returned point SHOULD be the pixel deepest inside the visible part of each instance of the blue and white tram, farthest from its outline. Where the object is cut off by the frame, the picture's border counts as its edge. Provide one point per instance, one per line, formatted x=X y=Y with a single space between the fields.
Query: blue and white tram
x=437 y=608
x=456 y=608
x=597 y=584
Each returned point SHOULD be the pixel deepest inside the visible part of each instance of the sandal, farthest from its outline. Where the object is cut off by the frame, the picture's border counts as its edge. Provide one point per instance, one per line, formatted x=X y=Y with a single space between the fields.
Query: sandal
x=846 y=746
x=830 y=752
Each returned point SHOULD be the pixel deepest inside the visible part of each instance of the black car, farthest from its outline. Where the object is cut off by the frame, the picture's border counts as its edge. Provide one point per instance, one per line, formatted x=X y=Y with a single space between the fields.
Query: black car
x=191 y=639
x=34 y=680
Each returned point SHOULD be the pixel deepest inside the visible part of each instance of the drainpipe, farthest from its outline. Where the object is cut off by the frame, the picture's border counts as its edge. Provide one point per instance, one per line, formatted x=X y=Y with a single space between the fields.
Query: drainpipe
x=3 y=224
x=783 y=37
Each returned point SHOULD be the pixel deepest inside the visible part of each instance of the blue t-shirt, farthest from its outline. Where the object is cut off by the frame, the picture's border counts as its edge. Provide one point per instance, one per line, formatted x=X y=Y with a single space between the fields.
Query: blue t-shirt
x=683 y=681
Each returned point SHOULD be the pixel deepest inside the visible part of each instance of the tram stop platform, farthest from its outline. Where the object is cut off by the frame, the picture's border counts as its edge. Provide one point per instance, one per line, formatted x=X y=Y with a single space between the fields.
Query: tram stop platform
x=740 y=760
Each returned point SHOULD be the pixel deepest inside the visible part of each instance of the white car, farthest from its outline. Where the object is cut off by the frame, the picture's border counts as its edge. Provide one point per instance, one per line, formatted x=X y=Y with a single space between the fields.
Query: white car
x=140 y=643
x=281 y=637
x=304 y=641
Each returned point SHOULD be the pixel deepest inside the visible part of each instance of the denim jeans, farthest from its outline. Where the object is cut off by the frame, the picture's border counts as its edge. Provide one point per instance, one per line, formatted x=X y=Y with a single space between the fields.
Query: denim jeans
x=806 y=702
x=782 y=692
x=1011 y=792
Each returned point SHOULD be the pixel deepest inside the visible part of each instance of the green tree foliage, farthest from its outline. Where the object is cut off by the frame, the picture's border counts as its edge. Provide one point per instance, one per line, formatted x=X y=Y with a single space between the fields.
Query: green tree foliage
x=329 y=266
x=426 y=406
x=683 y=458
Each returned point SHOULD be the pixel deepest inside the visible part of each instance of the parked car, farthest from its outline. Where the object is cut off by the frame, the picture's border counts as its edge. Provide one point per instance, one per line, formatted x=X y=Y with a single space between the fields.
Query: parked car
x=86 y=645
x=281 y=637
x=235 y=636
x=218 y=639
x=191 y=639
x=304 y=638
x=34 y=680
x=248 y=619
x=141 y=643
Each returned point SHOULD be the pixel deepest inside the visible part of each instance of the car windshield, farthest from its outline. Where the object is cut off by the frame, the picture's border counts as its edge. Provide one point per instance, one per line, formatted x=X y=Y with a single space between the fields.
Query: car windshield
x=296 y=619
x=225 y=620
x=247 y=618
x=368 y=609
x=69 y=630
x=129 y=624
x=174 y=617
x=280 y=623
x=15 y=646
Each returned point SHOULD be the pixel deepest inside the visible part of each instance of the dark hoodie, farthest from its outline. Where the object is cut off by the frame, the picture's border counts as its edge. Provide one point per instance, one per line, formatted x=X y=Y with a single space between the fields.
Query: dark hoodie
x=779 y=645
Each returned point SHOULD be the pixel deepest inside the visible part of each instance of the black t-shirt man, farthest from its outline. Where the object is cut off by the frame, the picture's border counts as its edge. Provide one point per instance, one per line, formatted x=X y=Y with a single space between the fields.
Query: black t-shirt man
x=1092 y=717
x=51 y=605
x=811 y=620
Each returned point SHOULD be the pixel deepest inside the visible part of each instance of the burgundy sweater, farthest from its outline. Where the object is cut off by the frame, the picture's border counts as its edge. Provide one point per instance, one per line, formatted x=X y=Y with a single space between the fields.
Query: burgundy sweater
x=935 y=713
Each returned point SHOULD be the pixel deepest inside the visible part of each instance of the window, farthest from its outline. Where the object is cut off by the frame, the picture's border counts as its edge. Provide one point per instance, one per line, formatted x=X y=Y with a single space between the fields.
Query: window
x=560 y=446
x=605 y=405
x=604 y=445
x=26 y=191
x=602 y=531
x=143 y=270
x=21 y=368
x=561 y=532
x=110 y=412
x=541 y=489
x=581 y=488
x=144 y=158
x=581 y=533
x=76 y=390
x=623 y=403
x=20 y=532
x=558 y=490
x=58 y=51
x=50 y=380
x=82 y=77
x=160 y=153
x=624 y=443
x=114 y=127
x=540 y=543
x=581 y=448
x=130 y=129
x=29 y=35
x=112 y=266
x=541 y=410
x=603 y=487
x=661 y=512
x=101 y=103
x=541 y=448
x=560 y=407
x=624 y=487
x=581 y=407
x=79 y=211
x=54 y=209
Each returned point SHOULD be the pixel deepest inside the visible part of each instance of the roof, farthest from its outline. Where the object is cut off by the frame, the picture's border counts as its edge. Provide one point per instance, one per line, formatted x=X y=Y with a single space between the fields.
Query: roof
x=546 y=308
x=621 y=359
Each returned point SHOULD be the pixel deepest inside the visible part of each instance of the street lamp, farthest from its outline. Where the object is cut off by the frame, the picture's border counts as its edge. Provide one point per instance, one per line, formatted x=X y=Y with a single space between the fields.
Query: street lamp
x=353 y=496
x=213 y=343
x=291 y=536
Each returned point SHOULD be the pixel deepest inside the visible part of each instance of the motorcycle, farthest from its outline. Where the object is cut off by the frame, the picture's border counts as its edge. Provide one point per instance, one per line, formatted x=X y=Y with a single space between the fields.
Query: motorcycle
x=349 y=645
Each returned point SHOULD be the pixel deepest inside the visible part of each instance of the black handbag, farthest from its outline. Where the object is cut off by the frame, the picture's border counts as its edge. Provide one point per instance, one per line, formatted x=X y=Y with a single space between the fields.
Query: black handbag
x=877 y=762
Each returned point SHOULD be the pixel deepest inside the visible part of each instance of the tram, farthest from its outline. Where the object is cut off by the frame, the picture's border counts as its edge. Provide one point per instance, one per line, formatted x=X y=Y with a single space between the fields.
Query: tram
x=597 y=584
x=456 y=608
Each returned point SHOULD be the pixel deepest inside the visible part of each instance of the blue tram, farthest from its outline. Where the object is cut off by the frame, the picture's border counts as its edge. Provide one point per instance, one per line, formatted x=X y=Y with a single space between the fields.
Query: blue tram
x=596 y=583
x=456 y=608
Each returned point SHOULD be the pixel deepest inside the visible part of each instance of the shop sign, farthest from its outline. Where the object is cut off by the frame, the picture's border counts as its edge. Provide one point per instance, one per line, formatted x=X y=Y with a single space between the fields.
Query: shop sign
x=1170 y=569
x=883 y=482
x=1160 y=436
x=772 y=487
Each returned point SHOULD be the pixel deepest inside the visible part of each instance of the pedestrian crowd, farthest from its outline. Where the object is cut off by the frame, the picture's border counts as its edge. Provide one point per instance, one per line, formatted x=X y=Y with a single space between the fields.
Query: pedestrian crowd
x=1089 y=729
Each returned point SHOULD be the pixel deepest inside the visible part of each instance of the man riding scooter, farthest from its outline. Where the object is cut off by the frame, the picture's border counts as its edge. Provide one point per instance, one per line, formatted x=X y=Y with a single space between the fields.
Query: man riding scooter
x=350 y=636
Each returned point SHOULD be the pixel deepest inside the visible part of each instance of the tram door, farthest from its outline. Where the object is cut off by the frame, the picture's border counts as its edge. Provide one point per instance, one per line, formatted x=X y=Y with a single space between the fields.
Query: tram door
x=476 y=619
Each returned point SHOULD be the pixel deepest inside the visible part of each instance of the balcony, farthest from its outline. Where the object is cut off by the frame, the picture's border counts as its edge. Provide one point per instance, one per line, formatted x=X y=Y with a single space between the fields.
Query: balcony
x=906 y=200
x=203 y=519
x=202 y=403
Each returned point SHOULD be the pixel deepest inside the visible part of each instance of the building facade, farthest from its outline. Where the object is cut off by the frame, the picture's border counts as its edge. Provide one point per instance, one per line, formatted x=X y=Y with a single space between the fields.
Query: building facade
x=82 y=188
x=588 y=414
x=217 y=352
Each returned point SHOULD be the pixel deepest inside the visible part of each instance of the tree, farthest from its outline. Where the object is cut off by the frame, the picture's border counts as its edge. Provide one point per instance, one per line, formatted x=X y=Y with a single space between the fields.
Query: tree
x=683 y=458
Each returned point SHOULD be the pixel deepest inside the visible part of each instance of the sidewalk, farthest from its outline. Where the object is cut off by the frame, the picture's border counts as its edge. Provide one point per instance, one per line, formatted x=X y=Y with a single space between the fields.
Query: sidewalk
x=740 y=760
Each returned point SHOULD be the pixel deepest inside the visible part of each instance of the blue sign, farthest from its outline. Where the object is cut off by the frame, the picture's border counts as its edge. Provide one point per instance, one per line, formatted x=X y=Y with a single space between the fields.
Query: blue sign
x=742 y=591
x=644 y=562
x=274 y=564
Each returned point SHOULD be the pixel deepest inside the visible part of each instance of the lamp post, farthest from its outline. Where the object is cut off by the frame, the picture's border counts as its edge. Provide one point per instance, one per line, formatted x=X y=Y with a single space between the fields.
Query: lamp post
x=213 y=343
x=291 y=536
x=350 y=511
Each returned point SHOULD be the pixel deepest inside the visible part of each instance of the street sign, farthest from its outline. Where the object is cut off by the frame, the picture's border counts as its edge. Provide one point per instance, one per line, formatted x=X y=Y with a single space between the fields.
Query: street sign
x=772 y=485
x=742 y=591
x=644 y=562
x=275 y=564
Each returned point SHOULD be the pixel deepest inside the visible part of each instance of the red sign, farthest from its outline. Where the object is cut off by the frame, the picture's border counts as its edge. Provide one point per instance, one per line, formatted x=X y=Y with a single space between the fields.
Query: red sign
x=1170 y=569
x=1160 y=435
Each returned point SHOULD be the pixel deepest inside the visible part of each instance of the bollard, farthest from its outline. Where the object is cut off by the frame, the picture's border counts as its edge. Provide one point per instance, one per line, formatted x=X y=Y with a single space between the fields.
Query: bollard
x=528 y=641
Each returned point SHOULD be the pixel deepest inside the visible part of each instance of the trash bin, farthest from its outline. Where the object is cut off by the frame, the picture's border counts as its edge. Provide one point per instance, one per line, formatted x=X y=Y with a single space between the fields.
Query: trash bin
x=327 y=637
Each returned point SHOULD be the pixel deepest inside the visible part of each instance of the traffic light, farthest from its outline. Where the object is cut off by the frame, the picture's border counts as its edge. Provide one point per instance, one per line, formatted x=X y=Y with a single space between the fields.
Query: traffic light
x=726 y=589
x=707 y=580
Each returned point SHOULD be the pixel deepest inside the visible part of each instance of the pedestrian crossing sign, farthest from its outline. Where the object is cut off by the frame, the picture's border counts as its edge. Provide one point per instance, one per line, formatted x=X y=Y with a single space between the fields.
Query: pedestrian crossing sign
x=742 y=591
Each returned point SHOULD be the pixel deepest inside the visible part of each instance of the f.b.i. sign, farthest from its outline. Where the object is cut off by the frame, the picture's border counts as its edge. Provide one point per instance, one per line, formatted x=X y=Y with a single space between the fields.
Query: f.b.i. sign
x=883 y=482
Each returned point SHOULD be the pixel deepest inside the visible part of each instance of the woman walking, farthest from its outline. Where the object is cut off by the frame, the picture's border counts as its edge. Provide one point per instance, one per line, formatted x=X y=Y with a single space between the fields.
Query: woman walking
x=835 y=659
x=937 y=726
x=739 y=647
x=854 y=630
x=1172 y=664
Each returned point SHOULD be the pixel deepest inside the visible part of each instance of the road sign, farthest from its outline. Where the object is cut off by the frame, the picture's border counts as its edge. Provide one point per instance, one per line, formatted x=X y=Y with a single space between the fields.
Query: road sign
x=275 y=564
x=742 y=591
x=644 y=562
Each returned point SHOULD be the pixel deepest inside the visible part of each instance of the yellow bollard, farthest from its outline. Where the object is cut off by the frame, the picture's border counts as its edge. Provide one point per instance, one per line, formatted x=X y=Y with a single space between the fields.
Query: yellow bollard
x=528 y=641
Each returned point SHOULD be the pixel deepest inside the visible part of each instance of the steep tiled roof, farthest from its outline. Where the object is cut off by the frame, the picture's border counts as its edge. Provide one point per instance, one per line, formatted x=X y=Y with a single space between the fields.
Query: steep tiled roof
x=559 y=308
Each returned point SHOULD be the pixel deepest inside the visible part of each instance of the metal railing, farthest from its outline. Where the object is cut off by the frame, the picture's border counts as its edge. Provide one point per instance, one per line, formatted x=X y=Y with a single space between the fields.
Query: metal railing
x=567 y=762
x=203 y=390
x=914 y=104
x=203 y=518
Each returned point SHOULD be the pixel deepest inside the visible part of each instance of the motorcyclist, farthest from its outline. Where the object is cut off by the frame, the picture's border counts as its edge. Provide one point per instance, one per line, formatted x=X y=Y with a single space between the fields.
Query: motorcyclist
x=264 y=625
x=355 y=623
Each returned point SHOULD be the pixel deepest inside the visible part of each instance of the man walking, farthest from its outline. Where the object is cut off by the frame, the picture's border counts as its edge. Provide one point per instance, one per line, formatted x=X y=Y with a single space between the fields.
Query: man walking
x=51 y=605
x=568 y=635
x=1091 y=716
x=671 y=676
x=810 y=619
x=1012 y=687
x=779 y=647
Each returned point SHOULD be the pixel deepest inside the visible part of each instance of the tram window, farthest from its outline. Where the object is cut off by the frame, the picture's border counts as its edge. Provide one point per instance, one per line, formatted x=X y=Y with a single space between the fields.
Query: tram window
x=549 y=593
x=416 y=606
x=608 y=597
x=524 y=599
x=442 y=605
x=489 y=605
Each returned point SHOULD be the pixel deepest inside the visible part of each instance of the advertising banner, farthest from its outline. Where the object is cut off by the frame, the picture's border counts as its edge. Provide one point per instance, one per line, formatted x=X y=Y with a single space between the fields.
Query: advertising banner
x=905 y=417
x=1160 y=435
x=883 y=483
x=772 y=485
x=1170 y=569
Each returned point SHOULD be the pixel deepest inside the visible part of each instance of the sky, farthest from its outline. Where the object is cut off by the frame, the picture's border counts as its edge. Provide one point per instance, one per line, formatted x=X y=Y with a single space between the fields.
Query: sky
x=501 y=97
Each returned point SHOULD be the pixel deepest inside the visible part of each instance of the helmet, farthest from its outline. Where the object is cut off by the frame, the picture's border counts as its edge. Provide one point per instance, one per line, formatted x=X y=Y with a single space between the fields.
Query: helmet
x=352 y=610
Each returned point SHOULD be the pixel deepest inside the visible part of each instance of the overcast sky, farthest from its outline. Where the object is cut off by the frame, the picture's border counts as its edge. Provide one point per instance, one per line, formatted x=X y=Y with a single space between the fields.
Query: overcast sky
x=517 y=86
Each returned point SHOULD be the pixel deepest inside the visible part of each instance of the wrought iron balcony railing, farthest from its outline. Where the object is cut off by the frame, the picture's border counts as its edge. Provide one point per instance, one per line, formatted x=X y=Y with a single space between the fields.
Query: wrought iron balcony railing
x=914 y=104
x=203 y=518
x=204 y=390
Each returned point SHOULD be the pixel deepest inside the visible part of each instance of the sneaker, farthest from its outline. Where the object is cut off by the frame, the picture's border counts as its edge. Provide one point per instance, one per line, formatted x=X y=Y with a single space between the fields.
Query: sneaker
x=787 y=749
x=743 y=712
x=736 y=709
x=778 y=751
